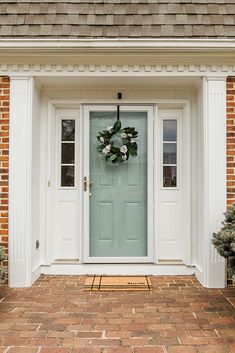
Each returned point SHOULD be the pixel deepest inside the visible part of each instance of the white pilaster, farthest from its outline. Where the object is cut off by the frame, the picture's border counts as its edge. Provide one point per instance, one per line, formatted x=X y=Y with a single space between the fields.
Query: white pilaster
x=20 y=181
x=214 y=146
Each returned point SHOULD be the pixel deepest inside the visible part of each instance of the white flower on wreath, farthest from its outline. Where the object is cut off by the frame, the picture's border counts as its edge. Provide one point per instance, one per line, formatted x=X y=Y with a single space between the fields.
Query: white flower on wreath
x=106 y=150
x=123 y=149
x=109 y=129
x=123 y=135
x=130 y=135
x=124 y=157
x=101 y=139
x=132 y=141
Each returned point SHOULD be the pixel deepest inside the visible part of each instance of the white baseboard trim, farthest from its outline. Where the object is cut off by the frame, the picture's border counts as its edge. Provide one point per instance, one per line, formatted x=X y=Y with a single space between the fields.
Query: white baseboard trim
x=36 y=274
x=199 y=275
x=116 y=269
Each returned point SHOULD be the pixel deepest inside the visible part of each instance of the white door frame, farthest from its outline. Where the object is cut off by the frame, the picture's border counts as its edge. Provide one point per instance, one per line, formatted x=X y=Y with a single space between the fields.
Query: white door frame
x=52 y=174
x=150 y=170
x=49 y=175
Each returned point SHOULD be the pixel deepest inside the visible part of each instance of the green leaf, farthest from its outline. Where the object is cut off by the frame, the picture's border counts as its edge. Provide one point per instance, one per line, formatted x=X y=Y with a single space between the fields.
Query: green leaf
x=119 y=159
x=117 y=125
x=133 y=150
x=99 y=148
x=115 y=149
x=113 y=157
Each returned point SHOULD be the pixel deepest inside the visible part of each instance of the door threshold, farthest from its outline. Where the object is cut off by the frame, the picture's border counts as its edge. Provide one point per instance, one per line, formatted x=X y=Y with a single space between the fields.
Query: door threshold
x=66 y=261
x=60 y=268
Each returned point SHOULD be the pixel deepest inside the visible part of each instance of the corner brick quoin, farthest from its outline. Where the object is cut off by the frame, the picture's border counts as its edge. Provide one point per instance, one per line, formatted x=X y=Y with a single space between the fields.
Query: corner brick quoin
x=4 y=163
x=4 y=154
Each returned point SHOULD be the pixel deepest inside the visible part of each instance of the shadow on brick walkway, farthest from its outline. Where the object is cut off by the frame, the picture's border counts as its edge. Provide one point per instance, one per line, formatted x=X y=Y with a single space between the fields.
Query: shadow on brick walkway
x=57 y=316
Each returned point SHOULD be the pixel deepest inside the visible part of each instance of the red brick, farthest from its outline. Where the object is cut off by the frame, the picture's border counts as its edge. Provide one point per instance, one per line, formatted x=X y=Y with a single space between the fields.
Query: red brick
x=44 y=342
x=230 y=127
x=118 y=334
x=83 y=350
x=153 y=349
x=212 y=349
x=106 y=342
x=55 y=350
x=231 y=348
x=87 y=334
x=4 y=136
x=117 y=350
x=181 y=349
x=23 y=350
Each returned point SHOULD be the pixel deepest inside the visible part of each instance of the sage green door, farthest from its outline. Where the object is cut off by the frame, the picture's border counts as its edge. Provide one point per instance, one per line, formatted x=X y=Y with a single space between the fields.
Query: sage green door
x=118 y=192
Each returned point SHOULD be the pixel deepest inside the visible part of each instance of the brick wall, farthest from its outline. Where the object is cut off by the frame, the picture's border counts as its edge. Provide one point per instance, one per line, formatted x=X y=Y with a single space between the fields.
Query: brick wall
x=4 y=153
x=230 y=140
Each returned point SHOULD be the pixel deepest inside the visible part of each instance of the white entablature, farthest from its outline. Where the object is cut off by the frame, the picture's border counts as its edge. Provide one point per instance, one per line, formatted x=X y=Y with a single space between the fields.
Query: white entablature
x=115 y=70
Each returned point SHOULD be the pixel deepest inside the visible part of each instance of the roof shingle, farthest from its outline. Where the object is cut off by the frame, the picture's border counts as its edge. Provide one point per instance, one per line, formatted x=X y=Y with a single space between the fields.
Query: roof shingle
x=117 y=18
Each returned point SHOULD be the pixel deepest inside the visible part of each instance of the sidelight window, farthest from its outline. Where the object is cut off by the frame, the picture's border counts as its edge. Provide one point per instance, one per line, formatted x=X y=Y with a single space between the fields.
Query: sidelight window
x=169 y=153
x=67 y=153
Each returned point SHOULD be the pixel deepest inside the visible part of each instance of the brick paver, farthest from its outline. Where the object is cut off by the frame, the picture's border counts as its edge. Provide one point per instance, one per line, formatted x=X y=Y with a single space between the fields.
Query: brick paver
x=55 y=315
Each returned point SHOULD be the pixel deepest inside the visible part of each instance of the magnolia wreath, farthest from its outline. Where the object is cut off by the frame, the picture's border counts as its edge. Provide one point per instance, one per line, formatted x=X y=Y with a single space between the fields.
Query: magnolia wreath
x=117 y=143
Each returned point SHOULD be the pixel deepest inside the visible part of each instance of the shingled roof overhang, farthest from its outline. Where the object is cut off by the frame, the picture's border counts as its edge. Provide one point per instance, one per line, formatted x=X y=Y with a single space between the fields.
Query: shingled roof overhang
x=117 y=26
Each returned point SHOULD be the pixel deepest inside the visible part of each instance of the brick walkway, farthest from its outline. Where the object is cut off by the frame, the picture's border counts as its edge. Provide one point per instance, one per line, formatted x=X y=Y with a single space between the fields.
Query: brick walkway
x=56 y=316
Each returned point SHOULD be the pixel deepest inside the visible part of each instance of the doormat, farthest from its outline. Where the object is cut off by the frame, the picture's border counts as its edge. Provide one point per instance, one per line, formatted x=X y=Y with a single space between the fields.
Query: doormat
x=113 y=283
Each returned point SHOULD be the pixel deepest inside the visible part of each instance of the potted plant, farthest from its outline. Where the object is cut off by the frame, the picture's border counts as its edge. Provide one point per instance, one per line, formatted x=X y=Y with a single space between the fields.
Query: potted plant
x=224 y=240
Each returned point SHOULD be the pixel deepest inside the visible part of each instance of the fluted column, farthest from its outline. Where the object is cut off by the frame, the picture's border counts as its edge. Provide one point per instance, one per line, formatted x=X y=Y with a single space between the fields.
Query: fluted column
x=214 y=146
x=20 y=181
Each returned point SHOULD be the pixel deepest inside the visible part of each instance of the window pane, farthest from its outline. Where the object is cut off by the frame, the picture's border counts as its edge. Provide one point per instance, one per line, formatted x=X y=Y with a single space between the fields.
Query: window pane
x=67 y=153
x=169 y=176
x=169 y=153
x=169 y=130
x=67 y=176
x=68 y=130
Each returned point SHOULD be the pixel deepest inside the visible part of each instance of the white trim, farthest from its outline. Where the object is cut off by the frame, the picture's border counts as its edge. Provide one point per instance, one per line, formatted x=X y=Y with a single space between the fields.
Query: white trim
x=171 y=44
x=50 y=191
x=187 y=171
x=49 y=175
x=182 y=115
x=20 y=186
x=116 y=70
x=53 y=173
x=86 y=121
x=214 y=142
x=199 y=274
x=117 y=269
x=36 y=274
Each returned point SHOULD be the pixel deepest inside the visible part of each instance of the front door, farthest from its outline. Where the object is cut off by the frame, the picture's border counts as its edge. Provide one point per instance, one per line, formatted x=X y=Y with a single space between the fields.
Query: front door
x=118 y=197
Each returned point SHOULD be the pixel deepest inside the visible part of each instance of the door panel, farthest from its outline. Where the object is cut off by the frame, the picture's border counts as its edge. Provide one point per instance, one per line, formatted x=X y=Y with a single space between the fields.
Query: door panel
x=118 y=192
x=66 y=185
x=171 y=217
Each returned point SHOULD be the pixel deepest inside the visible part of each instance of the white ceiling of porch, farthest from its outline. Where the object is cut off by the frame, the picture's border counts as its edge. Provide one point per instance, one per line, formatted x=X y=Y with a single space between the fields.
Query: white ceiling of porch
x=118 y=82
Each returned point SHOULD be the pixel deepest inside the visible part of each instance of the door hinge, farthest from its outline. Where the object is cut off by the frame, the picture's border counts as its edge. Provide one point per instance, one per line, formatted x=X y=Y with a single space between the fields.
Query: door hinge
x=85 y=183
x=49 y=183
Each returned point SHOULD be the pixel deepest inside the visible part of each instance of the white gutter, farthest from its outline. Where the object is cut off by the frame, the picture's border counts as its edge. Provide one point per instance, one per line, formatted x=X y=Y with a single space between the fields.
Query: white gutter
x=124 y=44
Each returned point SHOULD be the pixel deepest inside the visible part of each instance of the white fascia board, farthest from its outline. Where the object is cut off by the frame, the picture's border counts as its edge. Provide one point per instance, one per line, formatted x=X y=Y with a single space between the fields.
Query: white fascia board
x=125 y=44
